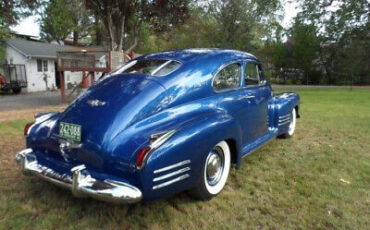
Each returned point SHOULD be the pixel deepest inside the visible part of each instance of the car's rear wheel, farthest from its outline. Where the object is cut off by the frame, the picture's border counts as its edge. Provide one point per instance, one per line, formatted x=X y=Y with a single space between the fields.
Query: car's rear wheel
x=215 y=172
x=292 y=124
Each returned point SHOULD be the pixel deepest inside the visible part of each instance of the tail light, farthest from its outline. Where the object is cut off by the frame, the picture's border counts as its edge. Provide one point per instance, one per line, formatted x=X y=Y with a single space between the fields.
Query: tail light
x=155 y=140
x=27 y=128
x=141 y=155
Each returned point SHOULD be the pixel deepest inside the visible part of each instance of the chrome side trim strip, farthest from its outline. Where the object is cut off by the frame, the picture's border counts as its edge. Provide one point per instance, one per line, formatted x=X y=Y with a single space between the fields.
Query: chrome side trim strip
x=284 y=123
x=181 y=163
x=284 y=116
x=171 y=174
x=285 y=119
x=177 y=179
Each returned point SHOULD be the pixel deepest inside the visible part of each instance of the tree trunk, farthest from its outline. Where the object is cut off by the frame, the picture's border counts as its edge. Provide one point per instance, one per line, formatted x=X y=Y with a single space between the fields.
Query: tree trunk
x=98 y=31
x=120 y=33
x=109 y=26
x=75 y=37
x=136 y=35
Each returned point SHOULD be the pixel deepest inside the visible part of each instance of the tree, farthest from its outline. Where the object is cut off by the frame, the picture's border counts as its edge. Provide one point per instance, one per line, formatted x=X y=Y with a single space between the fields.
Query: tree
x=56 y=23
x=123 y=20
x=165 y=15
x=63 y=18
x=82 y=19
x=114 y=14
x=243 y=23
x=11 y=11
x=305 y=48
x=338 y=20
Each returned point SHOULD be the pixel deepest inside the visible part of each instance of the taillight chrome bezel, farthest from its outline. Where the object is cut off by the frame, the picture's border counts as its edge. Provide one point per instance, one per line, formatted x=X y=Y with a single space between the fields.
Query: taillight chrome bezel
x=156 y=140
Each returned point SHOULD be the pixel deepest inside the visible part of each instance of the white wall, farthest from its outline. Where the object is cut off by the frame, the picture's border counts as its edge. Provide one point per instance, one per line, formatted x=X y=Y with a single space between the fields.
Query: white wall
x=73 y=78
x=35 y=80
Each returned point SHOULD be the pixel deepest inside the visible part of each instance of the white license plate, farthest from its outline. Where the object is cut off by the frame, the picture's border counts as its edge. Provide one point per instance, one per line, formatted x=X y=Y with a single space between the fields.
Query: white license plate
x=70 y=131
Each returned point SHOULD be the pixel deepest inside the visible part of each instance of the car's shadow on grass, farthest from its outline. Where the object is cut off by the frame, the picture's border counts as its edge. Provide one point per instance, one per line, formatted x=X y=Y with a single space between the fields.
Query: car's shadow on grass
x=45 y=196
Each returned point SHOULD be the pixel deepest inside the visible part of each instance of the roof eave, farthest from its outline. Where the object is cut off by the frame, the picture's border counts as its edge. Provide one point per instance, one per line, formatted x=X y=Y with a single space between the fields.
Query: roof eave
x=42 y=56
x=15 y=48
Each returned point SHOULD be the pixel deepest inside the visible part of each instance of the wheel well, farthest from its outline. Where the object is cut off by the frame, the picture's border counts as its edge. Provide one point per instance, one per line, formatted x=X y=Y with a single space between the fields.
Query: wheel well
x=297 y=111
x=233 y=150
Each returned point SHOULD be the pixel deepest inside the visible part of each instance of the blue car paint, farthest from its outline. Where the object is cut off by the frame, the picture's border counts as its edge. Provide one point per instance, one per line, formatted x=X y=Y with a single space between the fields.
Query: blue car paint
x=138 y=106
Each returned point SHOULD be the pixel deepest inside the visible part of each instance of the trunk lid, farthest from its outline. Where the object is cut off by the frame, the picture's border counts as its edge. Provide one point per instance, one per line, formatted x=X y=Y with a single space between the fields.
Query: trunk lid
x=106 y=109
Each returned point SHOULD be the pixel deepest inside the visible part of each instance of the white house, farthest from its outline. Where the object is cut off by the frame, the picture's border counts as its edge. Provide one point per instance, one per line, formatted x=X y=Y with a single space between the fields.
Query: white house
x=39 y=59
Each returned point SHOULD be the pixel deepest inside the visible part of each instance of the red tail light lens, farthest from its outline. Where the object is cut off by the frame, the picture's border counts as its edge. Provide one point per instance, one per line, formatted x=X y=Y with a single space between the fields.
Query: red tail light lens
x=156 y=140
x=141 y=156
x=27 y=127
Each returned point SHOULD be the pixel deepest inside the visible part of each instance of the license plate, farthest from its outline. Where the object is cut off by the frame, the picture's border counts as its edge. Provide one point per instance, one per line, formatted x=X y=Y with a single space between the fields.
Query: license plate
x=70 y=131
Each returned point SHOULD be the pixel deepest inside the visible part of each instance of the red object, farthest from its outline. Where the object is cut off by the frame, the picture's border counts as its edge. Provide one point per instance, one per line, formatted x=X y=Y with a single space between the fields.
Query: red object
x=141 y=156
x=85 y=81
x=27 y=127
x=2 y=81
x=62 y=86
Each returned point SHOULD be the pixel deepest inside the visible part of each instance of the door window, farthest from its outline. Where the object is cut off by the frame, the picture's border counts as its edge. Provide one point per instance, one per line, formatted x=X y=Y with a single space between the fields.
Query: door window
x=228 y=77
x=251 y=74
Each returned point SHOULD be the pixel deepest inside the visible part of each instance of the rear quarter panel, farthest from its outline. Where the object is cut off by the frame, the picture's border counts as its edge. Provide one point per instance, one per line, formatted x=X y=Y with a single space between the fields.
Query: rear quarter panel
x=199 y=126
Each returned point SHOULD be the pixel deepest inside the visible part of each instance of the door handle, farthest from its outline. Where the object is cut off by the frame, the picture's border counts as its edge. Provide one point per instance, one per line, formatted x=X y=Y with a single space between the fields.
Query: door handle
x=250 y=96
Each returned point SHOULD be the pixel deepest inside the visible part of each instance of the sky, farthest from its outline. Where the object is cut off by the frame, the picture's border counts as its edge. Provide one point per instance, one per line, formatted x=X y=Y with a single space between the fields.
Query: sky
x=30 y=26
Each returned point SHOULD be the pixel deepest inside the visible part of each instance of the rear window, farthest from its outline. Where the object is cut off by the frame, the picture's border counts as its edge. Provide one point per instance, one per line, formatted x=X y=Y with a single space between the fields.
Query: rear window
x=157 y=68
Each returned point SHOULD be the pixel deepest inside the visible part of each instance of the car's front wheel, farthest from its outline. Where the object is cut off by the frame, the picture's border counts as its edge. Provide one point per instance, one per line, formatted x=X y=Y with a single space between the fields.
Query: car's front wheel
x=292 y=124
x=215 y=172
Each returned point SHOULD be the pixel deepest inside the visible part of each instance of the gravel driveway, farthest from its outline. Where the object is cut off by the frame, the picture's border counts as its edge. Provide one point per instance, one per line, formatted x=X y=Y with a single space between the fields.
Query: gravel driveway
x=29 y=100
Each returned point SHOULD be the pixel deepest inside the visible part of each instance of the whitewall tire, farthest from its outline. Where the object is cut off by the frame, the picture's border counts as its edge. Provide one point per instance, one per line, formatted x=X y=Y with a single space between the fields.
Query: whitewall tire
x=215 y=172
x=292 y=124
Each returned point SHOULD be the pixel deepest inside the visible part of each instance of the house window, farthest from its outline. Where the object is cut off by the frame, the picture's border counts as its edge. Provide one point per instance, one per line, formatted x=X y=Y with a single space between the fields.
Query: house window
x=42 y=65
x=39 y=65
x=45 y=65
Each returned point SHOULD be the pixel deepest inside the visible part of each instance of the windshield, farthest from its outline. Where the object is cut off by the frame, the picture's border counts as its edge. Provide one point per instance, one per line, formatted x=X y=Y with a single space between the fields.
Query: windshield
x=157 y=68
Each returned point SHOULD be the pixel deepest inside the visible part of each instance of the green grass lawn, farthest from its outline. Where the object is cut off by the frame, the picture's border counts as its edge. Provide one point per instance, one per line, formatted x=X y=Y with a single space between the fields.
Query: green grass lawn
x=319 y=179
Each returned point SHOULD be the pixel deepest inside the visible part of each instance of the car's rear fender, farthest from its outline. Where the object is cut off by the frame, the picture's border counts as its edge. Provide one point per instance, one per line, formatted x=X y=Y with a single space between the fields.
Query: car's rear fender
x=188 y=147
x=198 y=127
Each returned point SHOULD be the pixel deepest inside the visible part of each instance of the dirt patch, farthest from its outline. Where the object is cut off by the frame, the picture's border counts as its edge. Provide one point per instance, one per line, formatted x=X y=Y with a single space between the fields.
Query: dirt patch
x=27 y=114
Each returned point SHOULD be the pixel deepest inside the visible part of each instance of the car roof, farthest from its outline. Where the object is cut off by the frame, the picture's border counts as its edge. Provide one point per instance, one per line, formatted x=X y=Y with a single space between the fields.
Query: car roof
x=189 y=55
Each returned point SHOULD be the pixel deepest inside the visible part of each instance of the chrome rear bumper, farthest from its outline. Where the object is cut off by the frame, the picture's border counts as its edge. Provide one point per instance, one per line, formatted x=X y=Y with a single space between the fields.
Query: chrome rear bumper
x=81 y=183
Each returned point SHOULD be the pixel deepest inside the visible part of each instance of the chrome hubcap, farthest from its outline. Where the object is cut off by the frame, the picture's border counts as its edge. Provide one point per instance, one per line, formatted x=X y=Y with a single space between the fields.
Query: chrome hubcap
x=215 y=165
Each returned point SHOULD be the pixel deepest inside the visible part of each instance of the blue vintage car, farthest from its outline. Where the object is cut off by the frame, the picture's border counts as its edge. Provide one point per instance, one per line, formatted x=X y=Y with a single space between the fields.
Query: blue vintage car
x=161 y=124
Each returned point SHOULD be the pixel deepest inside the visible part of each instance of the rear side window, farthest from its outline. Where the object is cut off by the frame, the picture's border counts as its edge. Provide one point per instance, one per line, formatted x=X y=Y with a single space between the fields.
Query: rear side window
x=228 y=77
x=157 y=68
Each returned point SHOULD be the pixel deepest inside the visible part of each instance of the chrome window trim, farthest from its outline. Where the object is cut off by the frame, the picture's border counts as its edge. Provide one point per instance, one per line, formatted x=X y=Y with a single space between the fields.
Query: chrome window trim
x=160 y=67
x=129 y=64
